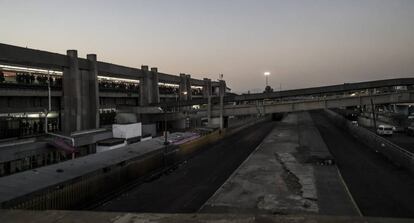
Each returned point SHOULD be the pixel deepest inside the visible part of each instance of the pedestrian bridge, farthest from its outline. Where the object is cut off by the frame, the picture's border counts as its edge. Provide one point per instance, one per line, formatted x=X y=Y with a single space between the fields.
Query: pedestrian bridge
x=389 y=91
x=269 y=107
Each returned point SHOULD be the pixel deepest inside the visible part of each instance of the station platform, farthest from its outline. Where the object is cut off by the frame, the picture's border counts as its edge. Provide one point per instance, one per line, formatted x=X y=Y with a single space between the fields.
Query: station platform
x=290 y=172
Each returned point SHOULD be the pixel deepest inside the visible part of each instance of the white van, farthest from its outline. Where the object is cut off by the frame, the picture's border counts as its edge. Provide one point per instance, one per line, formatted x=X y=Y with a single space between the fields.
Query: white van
x=385 y=130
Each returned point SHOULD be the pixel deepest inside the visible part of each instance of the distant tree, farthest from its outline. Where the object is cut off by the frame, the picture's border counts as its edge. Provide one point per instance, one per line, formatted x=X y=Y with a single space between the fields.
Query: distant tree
x=268 y=89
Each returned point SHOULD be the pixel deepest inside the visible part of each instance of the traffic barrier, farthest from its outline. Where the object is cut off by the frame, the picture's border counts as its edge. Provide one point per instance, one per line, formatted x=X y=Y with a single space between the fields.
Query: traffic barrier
x=393 y=152
x=192 y=147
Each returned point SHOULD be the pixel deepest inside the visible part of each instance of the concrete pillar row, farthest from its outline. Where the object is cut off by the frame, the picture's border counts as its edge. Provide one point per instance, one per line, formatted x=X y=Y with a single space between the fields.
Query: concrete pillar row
x=80 y=95
x=155 y=89
x=207 y=91
x=72 y=104
x=145 y=87
x=183 y=87
x=93 y=91
x=188 y=85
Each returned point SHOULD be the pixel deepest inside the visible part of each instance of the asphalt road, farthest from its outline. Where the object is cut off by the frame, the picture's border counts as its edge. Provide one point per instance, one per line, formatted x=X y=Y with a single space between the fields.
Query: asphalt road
x=187 y=188
x=379 y=188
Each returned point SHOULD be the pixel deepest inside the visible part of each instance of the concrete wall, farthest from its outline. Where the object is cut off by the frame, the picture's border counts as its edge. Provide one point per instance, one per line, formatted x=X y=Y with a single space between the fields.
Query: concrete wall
x=125 y=118
x=149 y=129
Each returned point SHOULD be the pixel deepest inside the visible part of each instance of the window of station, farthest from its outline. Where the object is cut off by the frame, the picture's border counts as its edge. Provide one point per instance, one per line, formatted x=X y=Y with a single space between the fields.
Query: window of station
x=29 y=77
x=118 y=84
x=18 y=125
x=197 y=90
x=107 y=116
x=166 y=88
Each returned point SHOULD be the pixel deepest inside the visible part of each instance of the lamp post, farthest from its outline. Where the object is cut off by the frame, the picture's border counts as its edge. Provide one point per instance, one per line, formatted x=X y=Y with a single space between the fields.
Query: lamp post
x=165 y=128
x=49 y=96
x=267 y=74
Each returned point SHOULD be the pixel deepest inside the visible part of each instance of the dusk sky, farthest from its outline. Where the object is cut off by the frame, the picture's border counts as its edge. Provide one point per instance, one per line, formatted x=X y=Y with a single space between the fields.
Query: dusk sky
x=303 y=43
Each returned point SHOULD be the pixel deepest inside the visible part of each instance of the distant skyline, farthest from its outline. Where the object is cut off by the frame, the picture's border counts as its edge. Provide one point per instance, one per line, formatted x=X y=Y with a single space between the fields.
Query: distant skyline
x=303 y=43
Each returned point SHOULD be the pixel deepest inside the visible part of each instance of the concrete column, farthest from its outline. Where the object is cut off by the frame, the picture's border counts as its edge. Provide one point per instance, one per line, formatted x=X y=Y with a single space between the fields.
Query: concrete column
x=154 y=89
x=72 y=116
x=144 y=87
x=85 y=100
x=183 y=88
x=207 y=91
x=209 y=110
x=93 y=92
x=188 y=85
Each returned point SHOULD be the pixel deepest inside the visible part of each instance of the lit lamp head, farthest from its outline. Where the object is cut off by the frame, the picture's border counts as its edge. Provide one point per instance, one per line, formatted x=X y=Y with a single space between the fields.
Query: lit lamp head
x=266 y=73
x=185 y=93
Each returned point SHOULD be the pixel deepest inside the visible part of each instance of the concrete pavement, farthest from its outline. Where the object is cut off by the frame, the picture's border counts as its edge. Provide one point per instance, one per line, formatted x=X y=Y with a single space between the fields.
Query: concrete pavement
x=283 y=176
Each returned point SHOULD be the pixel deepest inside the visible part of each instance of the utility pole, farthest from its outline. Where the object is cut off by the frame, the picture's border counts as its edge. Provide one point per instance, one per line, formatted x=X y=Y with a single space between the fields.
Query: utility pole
x=49 y=101
x=165 y=128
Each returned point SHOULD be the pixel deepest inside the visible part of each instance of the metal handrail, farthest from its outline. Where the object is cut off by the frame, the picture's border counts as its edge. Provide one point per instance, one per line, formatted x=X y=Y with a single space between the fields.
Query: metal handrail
x=64 y=137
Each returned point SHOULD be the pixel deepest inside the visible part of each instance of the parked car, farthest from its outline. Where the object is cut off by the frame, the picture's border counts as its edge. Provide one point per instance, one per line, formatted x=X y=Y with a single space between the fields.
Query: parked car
x=385 y=130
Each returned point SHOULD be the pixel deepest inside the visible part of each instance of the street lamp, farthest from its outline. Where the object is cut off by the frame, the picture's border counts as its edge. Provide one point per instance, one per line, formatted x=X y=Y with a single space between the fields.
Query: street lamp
x=164 y=110
x=267 y=78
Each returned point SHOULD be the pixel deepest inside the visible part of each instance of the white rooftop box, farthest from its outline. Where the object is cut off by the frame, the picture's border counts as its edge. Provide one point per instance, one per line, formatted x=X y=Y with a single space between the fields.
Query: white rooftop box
x=127 y=131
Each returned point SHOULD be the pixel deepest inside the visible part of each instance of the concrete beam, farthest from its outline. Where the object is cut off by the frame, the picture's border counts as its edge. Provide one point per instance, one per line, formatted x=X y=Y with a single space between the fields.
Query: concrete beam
x=33 y=58
x=167 y=78
x=118 y=71
x=8 y=92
